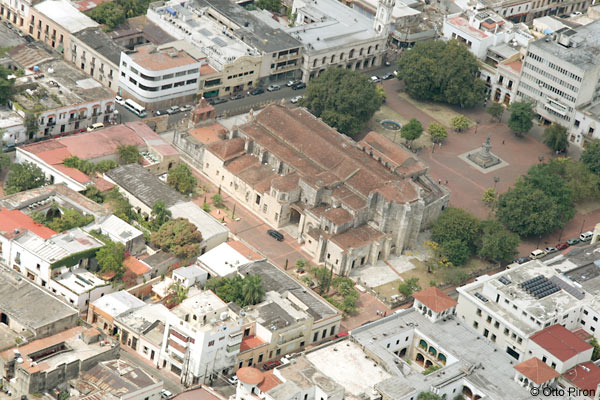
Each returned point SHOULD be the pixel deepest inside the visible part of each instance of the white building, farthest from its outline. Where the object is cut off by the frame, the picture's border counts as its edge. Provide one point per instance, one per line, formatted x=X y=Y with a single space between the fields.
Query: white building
x=202 y=339
x=12 y=127
x=190 y=275
x=222 y=261
x=335 y=35
x=159 y=78
x=559 y=348
x=121 y=232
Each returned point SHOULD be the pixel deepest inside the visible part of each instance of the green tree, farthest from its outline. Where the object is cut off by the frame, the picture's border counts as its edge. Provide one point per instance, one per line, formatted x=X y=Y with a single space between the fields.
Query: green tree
x=178 y=293
x=271 y=5
x=343 y=285
x=110 y=257
x=119 y=205
x=252 y=290
x=591 y=156
x=489 y=197
x=438 y=132
x=112 y=14
x=217 y=200
x=128 y=154
x=555 y=137
x=521 y=116
x=596 y=351
x=106 y=165
x=6 y=86
x=409 y=286
x=4 y=159
x=459 y=123
x=583 y=183
x=182 y=179
x=24 y=176
x=542 y=176
x=31 y=124
x=456 y=251
x=323 y=277
x=428 y=396
x=68 y=220
x=412 y=130
x=349 y=301
x=178 y=236
x=160 y=215
x=442 y=71
x=455 y=223
x=495 y=110
x=497 y=243
x=344 y=99
x=301 y=264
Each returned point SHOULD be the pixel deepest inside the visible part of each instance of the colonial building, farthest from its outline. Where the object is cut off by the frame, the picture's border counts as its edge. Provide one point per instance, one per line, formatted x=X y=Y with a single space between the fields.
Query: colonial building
x=349 y=203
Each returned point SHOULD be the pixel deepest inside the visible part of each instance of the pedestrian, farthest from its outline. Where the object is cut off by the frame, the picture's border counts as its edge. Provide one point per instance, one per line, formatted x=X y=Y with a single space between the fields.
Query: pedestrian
x=439 y=181
x=384 y=313
x=502 y=141
x=446 y=181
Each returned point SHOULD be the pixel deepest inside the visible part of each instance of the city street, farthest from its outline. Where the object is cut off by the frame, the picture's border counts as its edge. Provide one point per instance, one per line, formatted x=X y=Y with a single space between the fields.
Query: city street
x=170 y=381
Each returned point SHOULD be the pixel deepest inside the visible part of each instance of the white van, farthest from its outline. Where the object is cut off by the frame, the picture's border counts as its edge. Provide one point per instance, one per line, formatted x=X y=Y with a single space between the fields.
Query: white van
x=95 y=127
x=585 y=236
x=537 y=254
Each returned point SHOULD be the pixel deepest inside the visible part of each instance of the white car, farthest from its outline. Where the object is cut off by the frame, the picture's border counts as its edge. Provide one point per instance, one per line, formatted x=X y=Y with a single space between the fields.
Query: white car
x=296 y=99
x=119 y=100
x=165 y=394
x=273 y=88
x=233 y=380
x=375 y=79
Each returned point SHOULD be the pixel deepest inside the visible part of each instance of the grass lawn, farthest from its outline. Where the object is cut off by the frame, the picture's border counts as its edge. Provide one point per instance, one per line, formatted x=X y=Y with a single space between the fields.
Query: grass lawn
x=387 y=113
x=441 y=275
x=389 y=289
x=437 y=111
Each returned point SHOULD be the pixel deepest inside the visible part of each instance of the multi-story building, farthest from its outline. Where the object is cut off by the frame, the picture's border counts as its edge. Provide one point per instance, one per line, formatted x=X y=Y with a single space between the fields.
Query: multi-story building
x=64 y=99
x=335 y=35
x=561 y=74
x=350 y=203
x=17 y=12
x=202 y=339
x=526 y=10
x=95 y=53
x=242 y=50
x=159 y=78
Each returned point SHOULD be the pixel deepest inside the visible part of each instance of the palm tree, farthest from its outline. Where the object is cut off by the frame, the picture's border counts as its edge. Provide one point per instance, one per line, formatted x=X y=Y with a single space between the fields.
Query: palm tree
x=179 y=293
x=252 y=289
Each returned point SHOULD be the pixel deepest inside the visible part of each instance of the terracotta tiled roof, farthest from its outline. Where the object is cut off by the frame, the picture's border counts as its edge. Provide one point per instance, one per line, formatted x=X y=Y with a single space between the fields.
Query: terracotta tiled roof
x=250 y=342
x=285 y=183
x=435 y=299
x=269 y=382
x=391 y=153
x=73 y=173
x=146 y=56
x=102 y=184
x=15 y=219
x=585 y=376
x=356 y=237
x=338 y=216
x=206 y=69
x=242 y=163
x=227 y=149
x=536 y=371
x=250 y=376
x=560 y=342
x=209 y=133
x=136 y=266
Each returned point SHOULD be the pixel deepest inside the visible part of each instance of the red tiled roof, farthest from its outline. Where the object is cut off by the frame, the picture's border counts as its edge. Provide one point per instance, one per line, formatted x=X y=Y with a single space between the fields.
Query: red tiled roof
x=391 y=153
x=585 y=376
x=435 y=299
x=209 y=133
x=102 y=184
x=269 y=382
x=537 y=371
x=227 y=149
x=15 y=219
x=560 y=342
x=250 y=375
x=250 y=342
x=136 y=266
x=73 y=173
x=206 y=69
x=338 y=216
x=356 y=237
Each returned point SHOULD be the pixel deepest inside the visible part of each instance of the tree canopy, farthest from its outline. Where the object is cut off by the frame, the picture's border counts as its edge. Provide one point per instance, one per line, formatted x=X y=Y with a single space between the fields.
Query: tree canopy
x=110 y=257
x=459 y=123
x=495 y=110
x=128 y=154
x=6 y=85
x=442 y=71
x=64 y=221
x=521 y=115
x=271 y=5
x=24 y=176
x=409 y=286
x=178 y=236
x=583 y=183
x=591 y=156
x=412 y=130
x=88 y=167
x=555 y=137
x=344 y=99
x=182 y=179
x=114 y=13
x=497 y=243
x=437 y=131
x=241 y=291
x=160 y=215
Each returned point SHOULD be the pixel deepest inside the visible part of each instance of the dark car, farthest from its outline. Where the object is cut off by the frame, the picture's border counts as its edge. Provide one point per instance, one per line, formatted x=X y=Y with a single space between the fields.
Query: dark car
x=299 y=85
x=573 y=241
x=387 y=76
x=256 y=91
x=218 y=101
x=236 y=96
x=271 y=364
x=275 y=234
x=522 y=260
x=562 y=246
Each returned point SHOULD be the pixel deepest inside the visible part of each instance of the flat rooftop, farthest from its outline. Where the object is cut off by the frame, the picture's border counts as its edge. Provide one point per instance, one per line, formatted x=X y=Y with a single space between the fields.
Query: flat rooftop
x=116 y=227
x=336 y=25
x=98 y=40
x=584 y=56
x=28 y=304
x=223 y=260
x=59 y=246
x=117 y=303
x=79 y=281
x=65 y=15
x=57 y=85
x=206 y=223
x=152 y=59
x=143 y=319
x=491 y=371
x=118 y=378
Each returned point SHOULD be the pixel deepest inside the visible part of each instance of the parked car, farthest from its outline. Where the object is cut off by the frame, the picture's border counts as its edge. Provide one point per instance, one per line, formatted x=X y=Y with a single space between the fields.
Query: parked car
x=95 y=127
x=292 y=83
x=8 y=148
x=537 y=253
x=551 y=249
x=387 y=76
x=173 y=110
x=375 y=79
x=522 y=260
x=165 y=394
x=233 y=380
x=573 y=241
x=585 y=236
x=236 y=96
x=273 y=88
x=562 y=246
x=275 y=234
x=186 y=108
x=296 y=99
x=256 y=91
x=218 y=101
x=271 y=364
x=119 y=100
x=299 y=85
x=160 y=112
x=341 y=334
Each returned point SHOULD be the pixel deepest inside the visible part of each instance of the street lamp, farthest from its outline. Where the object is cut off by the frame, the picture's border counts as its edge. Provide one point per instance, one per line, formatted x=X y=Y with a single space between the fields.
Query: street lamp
x=496 y=180
x=116 y=114
x=476 y=126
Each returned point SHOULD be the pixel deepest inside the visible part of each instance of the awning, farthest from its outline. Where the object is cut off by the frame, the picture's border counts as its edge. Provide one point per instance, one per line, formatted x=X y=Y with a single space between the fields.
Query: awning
x=96 y=106
x=60 y=49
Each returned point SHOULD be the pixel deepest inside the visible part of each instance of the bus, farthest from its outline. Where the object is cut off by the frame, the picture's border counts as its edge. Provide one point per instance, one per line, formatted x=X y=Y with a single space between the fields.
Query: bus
x=135 y=108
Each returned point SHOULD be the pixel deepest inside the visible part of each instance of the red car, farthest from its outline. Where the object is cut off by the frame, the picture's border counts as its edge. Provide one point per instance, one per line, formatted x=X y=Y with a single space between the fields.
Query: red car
x=341 y=334
x=562 y=246
x=271 y=364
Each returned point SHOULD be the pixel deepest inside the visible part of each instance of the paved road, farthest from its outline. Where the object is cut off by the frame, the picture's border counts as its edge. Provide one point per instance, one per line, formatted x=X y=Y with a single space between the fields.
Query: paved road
x=170 y=381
